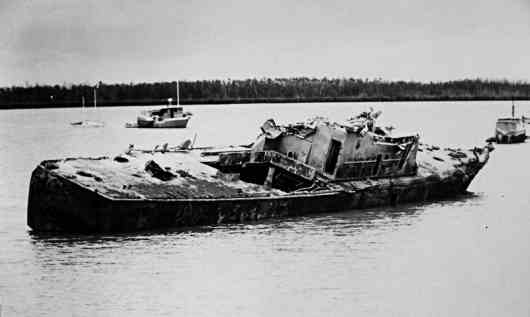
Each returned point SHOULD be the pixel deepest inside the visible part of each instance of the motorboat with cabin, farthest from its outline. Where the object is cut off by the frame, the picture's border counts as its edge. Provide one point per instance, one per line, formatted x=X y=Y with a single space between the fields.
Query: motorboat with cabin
x=167 y=117
x=510 y=130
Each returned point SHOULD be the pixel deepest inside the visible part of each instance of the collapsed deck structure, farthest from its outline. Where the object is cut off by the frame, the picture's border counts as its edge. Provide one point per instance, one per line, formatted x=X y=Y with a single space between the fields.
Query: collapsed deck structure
x=296 y=156
x=311 y=167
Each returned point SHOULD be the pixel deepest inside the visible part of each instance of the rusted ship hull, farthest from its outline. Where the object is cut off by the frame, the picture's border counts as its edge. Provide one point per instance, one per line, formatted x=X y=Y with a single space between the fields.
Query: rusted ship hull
x=61 y=202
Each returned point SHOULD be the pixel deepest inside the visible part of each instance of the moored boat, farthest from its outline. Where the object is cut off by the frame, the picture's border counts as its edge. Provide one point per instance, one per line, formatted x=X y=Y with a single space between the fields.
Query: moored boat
x=168 y=117
x=510 y=130
x=88 y=123
x=290 y=170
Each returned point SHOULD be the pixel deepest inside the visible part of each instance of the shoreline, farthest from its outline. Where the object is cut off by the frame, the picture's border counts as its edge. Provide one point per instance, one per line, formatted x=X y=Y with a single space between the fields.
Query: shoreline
x=228 y=101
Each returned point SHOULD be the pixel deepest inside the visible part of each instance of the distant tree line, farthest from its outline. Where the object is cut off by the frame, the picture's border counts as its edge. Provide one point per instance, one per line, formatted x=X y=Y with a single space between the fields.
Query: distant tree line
x=300 y=89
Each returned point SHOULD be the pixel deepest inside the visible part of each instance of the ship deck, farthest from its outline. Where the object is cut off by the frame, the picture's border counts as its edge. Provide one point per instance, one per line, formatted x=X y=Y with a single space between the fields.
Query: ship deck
x=180 y=175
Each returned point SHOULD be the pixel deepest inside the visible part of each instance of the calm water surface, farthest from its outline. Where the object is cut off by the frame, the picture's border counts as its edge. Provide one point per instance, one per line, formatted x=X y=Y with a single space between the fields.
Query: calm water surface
x=464 y=257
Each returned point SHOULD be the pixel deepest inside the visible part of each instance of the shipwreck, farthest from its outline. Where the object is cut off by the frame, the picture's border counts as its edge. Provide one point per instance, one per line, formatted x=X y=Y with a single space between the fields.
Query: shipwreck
x=313 y=167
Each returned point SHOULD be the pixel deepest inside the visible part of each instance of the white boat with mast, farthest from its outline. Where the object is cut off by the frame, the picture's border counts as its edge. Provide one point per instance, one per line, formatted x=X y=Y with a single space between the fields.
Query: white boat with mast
x=510 y=130
x=88 y=123
x=167 y=117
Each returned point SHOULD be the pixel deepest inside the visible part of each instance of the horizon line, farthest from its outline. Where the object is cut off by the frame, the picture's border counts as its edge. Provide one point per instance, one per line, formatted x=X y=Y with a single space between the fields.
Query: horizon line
x=228 y=79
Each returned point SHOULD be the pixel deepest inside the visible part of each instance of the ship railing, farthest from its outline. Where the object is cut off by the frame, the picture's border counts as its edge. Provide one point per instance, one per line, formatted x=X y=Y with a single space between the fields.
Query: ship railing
x=368 y=168
x=284 y=162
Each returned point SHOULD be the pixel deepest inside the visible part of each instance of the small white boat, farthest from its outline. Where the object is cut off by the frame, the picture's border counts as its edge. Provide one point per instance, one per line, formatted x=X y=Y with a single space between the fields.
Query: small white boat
x=169 y=117
x=88 y=123
x=510 y=130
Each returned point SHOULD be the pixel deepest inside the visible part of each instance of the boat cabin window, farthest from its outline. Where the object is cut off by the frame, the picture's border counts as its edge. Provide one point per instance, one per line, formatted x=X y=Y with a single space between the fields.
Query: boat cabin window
x=292 y=155
x=333 y=156
x=507 y=124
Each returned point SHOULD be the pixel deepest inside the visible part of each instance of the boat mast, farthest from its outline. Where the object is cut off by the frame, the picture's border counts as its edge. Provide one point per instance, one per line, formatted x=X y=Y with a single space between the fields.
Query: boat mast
x=178 y=93
x=95 y=96
x=84 y=109
x=513 y=109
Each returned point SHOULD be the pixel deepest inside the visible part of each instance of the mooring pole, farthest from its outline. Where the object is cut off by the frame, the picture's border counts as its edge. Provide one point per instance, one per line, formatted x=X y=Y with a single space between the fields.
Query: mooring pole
x=178 y=93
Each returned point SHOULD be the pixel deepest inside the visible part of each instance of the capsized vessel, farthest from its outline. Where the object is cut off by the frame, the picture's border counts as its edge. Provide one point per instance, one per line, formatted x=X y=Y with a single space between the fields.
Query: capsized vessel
x=312 y=167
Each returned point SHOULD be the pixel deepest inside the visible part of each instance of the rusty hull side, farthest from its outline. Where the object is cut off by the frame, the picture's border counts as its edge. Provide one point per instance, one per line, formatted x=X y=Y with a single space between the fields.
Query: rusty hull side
x=57 y=204
x=61 y=205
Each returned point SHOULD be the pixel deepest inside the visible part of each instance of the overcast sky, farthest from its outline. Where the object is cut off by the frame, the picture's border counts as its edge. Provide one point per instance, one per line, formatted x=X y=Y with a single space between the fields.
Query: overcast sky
x=70 y=41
